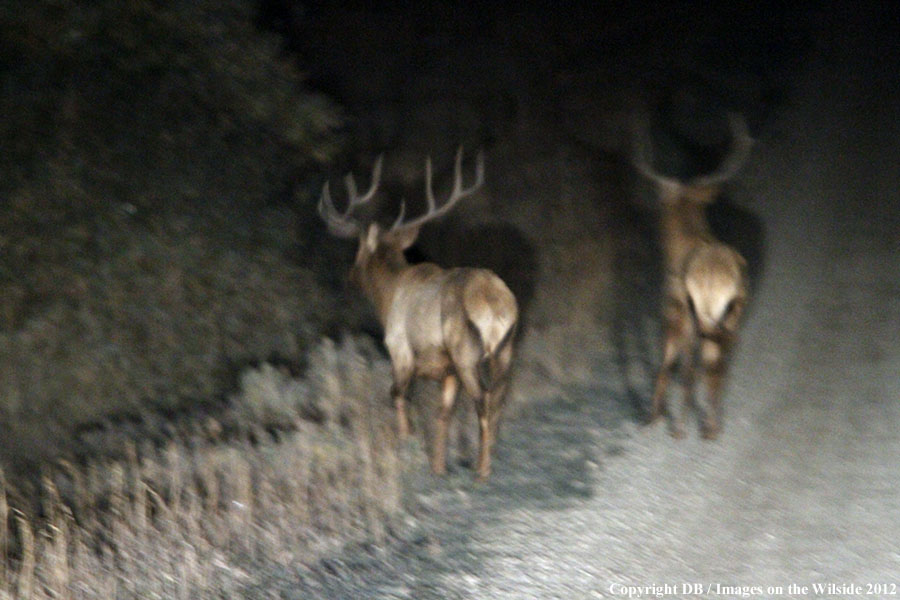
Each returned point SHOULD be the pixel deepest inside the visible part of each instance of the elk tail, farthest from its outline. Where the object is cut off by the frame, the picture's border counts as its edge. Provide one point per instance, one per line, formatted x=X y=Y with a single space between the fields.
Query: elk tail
x=492 y=313
x=490 y=369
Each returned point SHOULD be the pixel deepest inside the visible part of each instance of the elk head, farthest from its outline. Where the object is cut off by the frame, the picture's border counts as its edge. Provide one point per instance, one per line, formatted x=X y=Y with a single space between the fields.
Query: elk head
x=381 y=250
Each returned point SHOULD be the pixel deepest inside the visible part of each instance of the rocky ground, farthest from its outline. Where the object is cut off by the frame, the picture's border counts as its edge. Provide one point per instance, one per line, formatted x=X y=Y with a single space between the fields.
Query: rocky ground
x=801 y=487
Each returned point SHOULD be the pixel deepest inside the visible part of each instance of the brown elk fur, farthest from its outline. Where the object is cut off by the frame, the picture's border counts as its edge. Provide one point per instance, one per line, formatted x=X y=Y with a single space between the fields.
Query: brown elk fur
x=705 y=288
x=451 y=325
x=704 y=296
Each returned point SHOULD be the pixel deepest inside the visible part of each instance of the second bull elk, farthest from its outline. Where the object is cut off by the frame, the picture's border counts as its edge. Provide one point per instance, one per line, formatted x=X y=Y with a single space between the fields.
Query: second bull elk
x=705 y=281
x=451 y=325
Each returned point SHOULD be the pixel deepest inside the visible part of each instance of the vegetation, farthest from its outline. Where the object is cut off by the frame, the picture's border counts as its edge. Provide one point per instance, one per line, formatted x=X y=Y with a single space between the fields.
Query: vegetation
x=146 y=244
x=143 y=244
x=205 y=516
x=175 y=422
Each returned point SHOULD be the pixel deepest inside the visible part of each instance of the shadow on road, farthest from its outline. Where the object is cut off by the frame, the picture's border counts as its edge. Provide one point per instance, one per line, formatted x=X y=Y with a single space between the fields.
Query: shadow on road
x=545 y=460
x=637 y=279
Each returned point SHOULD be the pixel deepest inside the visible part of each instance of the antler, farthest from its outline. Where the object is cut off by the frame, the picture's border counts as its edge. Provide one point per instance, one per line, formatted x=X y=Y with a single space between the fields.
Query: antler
x=643 y=155
x=456 y=195
x=341 y=224
x=741 y=144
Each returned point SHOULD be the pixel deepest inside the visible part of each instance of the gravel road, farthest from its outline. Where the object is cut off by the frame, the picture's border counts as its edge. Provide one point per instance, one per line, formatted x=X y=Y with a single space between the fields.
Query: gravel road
x=802 y=488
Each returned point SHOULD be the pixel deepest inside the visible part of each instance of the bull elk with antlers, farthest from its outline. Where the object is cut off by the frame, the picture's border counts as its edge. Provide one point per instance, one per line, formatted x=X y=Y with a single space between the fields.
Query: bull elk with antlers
x=451 y=325
x=705 y=281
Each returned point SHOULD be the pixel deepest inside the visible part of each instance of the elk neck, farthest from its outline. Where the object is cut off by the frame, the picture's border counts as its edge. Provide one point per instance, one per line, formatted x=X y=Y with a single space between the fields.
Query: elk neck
x=682 y=227
x=380 y=277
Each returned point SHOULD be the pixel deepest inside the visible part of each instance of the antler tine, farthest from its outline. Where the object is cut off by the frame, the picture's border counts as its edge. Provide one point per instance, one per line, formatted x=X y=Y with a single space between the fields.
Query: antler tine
x=352 y=193
x=429 y=192
x=456 y=194
x=355 y=198
x=457 y=174
x=741 y=144
x=399 y=222
x=338 y=224
x=479 y=168
x=341 y=224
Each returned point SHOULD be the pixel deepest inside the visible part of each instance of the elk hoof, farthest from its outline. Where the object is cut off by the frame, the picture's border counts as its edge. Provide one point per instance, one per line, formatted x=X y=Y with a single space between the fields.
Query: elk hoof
x=482 y=472
x=709 y=432
x=677 y=432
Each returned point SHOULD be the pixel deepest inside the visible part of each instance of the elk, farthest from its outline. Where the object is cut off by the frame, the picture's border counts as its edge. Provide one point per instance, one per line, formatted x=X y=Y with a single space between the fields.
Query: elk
x=451 y=325
x=705 y=288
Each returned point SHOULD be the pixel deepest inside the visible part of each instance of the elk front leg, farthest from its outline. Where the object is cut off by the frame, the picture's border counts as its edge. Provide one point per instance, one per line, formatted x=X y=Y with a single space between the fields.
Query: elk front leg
x=448 y=397
x=670 y=356
x=403 y=373
x=399 y=396
x=714 y=366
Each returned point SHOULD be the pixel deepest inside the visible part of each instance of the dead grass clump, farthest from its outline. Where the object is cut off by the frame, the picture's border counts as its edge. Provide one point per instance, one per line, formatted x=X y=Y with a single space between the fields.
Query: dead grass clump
x=198 y=519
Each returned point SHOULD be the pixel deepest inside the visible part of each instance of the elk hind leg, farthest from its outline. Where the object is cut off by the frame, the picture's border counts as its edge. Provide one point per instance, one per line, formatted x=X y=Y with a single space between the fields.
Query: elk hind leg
x=687 y=383
x=488 y=407
x=663 y=376
x=448 y=397
x=468 y=355
x=714 y=367
x=492 y=403
x=470 y=381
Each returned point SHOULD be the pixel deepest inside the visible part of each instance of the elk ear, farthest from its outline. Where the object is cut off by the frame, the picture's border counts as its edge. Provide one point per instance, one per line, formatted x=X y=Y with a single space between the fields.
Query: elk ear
x=372 y=235
x=403 y=238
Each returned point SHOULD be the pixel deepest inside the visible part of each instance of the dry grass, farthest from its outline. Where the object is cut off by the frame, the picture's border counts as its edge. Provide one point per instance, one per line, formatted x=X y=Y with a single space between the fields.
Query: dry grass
x=139 y=279
x=151 y=249
x=192 y=519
